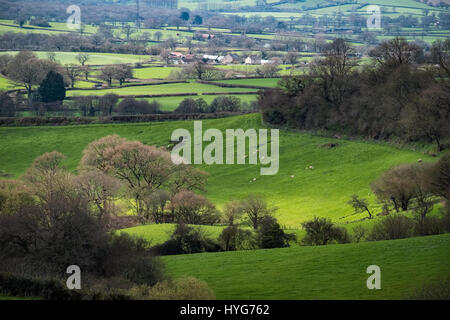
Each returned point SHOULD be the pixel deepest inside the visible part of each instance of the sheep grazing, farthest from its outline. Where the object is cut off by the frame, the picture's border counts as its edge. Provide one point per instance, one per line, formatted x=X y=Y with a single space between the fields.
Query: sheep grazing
x=292 y=176
x=420 y=160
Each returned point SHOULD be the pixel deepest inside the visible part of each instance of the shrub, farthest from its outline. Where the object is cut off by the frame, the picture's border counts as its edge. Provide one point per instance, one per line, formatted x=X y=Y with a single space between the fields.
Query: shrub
x=429 y=226
x=439 y=290
x=321 y=231
x=394 y=226
x=131 y=258
x=52 y=289
x=188 y=105
x=225 y=104
x=234 y=238
x=133 y=106
x=194 y=209
x=270 y=234
x=186 y=239
x=446 y=217
x=188 y=288
x=359 y=233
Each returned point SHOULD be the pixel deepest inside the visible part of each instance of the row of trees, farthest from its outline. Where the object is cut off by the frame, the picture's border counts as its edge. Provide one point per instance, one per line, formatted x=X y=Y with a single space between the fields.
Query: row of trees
x=393 y=97
x=219 y=104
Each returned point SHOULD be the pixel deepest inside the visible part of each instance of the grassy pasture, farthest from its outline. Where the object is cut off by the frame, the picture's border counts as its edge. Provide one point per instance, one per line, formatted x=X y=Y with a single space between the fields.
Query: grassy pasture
x=320 y=272
x=264 y=82
x=159 y=233
x=160 y=89
x=153 y=72
x=94 y=58
x=300 y=193
x=171 y=103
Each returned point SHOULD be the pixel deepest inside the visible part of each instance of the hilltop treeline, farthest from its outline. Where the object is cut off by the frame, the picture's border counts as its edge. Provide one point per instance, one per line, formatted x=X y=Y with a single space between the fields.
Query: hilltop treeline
x=395 y=96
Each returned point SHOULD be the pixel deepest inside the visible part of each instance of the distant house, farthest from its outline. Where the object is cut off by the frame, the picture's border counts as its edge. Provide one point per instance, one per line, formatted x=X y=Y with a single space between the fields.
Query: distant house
x=252 y=60
x=230 y=58
x=207 y=36
x=189 y=58
x=175 y=54
x=276 y=60
x=176 y=57
x=212 y=58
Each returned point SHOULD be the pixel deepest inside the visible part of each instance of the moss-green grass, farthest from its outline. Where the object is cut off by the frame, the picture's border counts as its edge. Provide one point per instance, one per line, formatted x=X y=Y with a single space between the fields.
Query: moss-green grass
x=153 y=72
x=321 y=272
x=300 y=193
x=94 y=58
x=6 y=84
x=171 y=103
x=160 y=89
x=263 y=82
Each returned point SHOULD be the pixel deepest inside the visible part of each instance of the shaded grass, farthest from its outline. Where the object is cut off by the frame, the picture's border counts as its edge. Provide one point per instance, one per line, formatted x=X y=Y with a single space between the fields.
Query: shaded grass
x=322 y=272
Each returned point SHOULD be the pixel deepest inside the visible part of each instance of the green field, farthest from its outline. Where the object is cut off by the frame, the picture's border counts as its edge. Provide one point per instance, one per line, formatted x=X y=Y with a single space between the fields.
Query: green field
x=171 y=103
x=94 y=58
x=159 y=89
x=6 y=84
x=299 y=192
x=263 y=82
x=154 y=72
x=320 y=272
x=159 y=233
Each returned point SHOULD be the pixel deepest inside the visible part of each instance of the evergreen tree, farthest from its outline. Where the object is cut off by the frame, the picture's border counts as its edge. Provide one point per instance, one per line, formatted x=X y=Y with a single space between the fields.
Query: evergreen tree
x=52 y=87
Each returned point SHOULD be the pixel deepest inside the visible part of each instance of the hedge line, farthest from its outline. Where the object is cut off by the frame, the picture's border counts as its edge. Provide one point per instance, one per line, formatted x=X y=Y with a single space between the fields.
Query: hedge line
x=228 y=93
x=61 y=121
x=131 y=85
x=231 y=85
x=147 y=95
x=14 y=285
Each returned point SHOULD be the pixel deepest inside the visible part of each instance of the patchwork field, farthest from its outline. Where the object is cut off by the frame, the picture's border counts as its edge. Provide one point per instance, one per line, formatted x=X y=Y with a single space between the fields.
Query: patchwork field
x=300 y=192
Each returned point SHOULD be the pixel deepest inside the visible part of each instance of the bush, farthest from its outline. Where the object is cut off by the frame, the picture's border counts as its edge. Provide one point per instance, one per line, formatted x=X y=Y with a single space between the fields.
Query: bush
x=181 y=289
x=439 y=290
x=225 y=104
x=446 y=218
x=192 y=208
x=131 y=258
x=395 y=226
x=186 y=239
x=429 y=226
x=234 y=238
x=52 y=289
x=321 y=231
x=270 y=234
x=133 y=106
x=359 y=233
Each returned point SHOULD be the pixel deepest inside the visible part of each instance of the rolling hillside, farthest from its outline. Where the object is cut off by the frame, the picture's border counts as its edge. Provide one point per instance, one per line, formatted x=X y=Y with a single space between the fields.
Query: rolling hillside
x=299 y=191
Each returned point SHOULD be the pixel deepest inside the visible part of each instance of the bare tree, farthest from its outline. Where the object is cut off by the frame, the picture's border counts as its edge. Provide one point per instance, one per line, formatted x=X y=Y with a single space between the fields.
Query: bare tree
x=360 y=205
x=82 y=58
x=256 y=207
x=73 y=72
